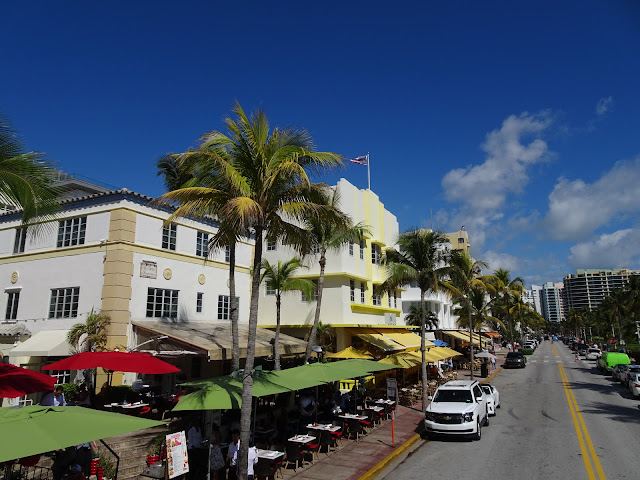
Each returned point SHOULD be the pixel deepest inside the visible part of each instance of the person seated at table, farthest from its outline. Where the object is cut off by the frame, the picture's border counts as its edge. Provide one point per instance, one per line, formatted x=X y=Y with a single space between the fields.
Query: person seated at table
x=83 y=397
x=55 y=398
x=253 y=459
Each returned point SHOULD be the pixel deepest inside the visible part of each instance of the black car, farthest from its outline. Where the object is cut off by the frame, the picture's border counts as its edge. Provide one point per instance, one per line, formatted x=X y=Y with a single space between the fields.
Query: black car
x=515 y=360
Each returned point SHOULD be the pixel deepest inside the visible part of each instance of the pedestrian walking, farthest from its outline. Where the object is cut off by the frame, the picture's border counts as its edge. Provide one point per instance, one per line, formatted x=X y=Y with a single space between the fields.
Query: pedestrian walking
x=493 y=363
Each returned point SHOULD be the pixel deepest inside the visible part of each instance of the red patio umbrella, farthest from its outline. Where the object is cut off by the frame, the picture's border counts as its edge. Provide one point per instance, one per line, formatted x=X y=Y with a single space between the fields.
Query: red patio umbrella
x=18 y=381
x=116 y=361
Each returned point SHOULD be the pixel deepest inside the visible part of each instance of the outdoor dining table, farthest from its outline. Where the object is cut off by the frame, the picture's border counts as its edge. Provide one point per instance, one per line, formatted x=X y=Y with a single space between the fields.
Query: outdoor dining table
x=348 y=416
x=325 y=427
x=269 y=454
x=374 y=408
x=302 y=439
x=388 y=402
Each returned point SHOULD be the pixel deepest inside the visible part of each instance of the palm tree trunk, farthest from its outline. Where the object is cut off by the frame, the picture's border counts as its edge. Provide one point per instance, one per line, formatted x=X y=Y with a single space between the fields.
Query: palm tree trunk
x=247 y=380
x=423 y=352
x=233 y=303
x=276 y=339
x=316 y=319
x=470 y=337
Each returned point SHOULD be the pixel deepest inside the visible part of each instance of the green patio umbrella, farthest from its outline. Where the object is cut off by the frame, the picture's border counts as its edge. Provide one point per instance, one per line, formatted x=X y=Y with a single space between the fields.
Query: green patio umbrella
x=37 y=429
x=368 y=366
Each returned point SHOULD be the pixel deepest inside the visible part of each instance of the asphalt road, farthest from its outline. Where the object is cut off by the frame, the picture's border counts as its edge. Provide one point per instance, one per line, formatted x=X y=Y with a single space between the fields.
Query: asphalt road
x=536 y=434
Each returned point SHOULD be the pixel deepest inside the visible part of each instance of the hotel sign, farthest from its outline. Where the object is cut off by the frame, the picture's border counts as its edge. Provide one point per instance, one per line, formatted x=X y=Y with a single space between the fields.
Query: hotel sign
x=148 y=269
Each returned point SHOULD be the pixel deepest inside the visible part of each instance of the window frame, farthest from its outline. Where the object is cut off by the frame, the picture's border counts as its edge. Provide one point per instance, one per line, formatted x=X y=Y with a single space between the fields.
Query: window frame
x=170 y=237
x=351 y=249
x=163 y=300
x=20 y=240
x=363 y=247
x=202 y=244
x=363 y=293
x=13 y=301
x=352 y=290
x=199 y=301
x=70 y=298
x=227 y=253
x=224 y=307
x=72 y=231
x=271 y=245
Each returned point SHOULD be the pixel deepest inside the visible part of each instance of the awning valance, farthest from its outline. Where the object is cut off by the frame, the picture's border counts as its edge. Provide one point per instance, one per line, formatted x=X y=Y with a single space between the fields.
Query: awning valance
x=215 y=338
x=492 y=334
x=392 y=341
x=46 y=343
x=464 y=336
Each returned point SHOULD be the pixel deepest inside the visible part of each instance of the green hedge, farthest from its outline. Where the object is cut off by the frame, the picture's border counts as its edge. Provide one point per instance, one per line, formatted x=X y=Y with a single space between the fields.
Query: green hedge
x=526 y=351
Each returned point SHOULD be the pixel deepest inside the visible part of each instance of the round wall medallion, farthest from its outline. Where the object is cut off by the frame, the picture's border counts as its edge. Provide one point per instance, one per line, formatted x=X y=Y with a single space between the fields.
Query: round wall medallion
x=167 y=274
x=14 y=277
x=201 y=279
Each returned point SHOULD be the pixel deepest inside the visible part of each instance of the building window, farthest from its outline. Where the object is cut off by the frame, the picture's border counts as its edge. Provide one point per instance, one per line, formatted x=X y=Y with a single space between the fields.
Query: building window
x=62 y=376
x=162 y=303
x=377 y=300
x=351 y=248
x=227 y=254
x=270 y=291
x=315 y=292
x=460 y=239
x=202 y=244
x=362 y=290
x=21 y=239
x=352 y=290
x=362 y=249
x=169 y=234
x=72 y=231
x=223 y=307
x=64 y=302
x=376 y=254
x=389 y=300
x=271 y=245
x=12 y=305
x=395 y=300
x=199 y=302
x=316 y=249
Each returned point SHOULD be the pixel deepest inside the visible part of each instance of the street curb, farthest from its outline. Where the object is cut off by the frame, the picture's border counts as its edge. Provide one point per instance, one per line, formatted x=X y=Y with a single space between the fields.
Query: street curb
x=389 y=458
x=380 y=466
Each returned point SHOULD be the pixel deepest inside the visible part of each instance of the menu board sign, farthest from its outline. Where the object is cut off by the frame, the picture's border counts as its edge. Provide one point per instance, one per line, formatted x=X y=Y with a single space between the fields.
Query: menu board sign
x=177 y=458
x=392 y=389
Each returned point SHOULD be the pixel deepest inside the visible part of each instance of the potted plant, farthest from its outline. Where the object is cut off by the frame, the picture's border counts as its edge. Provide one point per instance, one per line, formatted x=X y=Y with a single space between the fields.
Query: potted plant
x=105 y=469
x=154 y=449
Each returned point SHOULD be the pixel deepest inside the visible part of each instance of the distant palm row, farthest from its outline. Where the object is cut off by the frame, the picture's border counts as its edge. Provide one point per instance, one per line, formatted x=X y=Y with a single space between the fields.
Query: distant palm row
x=256 y=182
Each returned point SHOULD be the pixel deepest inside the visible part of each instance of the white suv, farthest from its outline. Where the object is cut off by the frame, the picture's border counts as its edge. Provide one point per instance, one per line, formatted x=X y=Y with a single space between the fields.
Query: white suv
x=459 y=407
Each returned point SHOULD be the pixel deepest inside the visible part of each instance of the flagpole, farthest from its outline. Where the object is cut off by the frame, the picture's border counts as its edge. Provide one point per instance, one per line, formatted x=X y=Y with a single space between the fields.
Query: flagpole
x=368 y=173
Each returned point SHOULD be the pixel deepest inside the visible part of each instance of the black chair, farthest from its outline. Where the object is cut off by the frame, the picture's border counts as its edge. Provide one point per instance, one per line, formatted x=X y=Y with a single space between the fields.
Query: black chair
x=262 y=469
x=355 y=428
x=294 y=454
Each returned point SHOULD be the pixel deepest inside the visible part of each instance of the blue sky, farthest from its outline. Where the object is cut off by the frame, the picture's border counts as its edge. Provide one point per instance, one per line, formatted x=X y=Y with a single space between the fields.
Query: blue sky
x=518 y=120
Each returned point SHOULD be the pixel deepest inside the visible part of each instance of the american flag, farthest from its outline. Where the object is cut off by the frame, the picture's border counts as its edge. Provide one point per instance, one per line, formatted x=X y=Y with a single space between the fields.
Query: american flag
x=360 y=160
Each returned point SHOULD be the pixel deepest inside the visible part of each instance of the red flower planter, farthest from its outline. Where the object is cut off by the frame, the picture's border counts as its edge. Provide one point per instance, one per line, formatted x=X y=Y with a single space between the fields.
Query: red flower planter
x=100 y=473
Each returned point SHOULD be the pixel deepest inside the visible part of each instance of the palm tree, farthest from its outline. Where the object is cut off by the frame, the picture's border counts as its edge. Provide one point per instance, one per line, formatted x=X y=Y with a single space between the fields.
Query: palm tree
x=279 y=278
x=480 y=312
x=26 y=180
x=615 y=307
x=323 y=237
x=264 y=187
x=464 y=282
x=421 y=259
x=93 y=333
x=185 y=175
x=414 y=317
x=509 y=291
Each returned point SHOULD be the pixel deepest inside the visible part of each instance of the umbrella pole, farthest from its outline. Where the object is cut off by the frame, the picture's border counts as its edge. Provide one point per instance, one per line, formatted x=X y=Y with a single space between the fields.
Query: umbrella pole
x=316 y=421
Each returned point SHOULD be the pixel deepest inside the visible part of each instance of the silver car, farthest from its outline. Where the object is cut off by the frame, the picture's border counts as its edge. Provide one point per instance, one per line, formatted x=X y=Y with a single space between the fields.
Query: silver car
x=493 y=397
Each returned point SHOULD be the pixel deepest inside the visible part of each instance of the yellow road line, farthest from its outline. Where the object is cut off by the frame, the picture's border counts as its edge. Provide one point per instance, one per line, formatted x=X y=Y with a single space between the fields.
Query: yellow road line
x=555 y=352
x=582 y=433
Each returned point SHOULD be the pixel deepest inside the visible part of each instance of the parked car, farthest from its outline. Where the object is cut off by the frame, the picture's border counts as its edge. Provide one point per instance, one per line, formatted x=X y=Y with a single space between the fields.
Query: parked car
x=593 y=353
x=616 y=371
x=515 y=360
x=530 y=345
x=582 y=349
x=625 y=373
x=608 y=360
x=634 y=384
x=493 y=397
x=459 y=407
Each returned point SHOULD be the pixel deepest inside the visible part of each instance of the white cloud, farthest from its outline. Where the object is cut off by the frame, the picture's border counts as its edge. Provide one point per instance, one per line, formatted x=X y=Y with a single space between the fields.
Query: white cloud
x=482 y=189
x=604 y=105
x=496 y=260
x=615 y=250
x=577 y=209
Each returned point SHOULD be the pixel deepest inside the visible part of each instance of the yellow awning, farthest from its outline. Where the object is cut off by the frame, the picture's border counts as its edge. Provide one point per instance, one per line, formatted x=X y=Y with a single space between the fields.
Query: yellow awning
x=464 y=336
x=443 y=352
x=403 y=360
x=350 y=352
x=450 y=351
x=390 y=342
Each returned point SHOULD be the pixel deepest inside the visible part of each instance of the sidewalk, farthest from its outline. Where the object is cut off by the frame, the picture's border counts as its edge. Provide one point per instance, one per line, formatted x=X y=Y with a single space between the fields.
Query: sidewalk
x=374 y=451
x=355 y=459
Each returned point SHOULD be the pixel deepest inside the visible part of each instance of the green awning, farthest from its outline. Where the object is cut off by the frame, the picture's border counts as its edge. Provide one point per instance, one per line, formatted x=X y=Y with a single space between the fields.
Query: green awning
x=36 y=429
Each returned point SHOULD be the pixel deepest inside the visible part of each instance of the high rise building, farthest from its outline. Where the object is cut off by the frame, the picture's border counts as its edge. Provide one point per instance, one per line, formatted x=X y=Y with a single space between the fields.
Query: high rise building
x=587 y=288
x=532 y=297
x=550 y=302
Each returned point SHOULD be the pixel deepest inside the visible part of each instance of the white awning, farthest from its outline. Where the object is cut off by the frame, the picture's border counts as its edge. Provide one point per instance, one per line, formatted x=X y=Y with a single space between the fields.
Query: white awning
x=46 y=343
